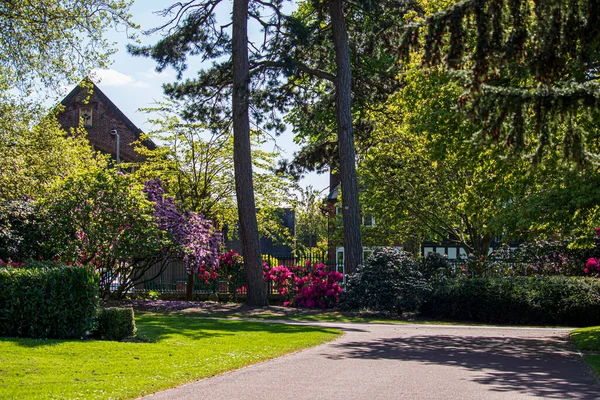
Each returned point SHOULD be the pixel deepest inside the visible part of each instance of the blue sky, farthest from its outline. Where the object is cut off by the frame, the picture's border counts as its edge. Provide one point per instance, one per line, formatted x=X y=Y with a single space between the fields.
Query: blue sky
x=133 y=83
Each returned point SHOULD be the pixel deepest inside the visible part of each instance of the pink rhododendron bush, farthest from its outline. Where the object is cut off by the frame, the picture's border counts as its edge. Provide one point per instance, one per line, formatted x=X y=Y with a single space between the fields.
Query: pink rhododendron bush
x=305 y=286
x=592 y=267
x=231 y=267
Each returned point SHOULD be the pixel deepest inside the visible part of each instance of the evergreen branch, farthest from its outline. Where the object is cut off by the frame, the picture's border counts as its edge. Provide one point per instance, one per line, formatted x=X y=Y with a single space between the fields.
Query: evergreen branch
x=561 y=90
x=258 y=66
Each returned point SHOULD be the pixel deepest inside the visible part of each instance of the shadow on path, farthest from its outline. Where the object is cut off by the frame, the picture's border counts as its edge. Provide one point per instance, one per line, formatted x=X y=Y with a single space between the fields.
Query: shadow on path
x=546 y=367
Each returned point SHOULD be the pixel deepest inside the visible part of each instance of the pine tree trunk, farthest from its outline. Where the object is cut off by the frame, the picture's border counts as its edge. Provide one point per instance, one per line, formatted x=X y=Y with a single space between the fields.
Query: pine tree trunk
x=242 y=158
x=343 y=86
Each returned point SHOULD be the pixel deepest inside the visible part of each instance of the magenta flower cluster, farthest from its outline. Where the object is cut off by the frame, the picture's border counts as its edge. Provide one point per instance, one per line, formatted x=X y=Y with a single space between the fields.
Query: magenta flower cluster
x=592 y=267
x=231 y=262
x=11 y=264
x=306 y=287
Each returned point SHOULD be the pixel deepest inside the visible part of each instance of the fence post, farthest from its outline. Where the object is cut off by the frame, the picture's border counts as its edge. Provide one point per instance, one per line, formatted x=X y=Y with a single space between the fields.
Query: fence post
x=189 y=286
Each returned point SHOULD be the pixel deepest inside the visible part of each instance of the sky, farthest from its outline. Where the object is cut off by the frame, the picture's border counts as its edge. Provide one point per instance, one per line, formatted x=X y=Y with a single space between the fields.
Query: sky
x=133 y=83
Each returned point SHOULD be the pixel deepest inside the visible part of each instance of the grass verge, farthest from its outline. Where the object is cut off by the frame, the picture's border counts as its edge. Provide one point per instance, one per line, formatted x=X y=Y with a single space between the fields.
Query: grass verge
x=180 y=349
x=336 y=316
x=587 y=340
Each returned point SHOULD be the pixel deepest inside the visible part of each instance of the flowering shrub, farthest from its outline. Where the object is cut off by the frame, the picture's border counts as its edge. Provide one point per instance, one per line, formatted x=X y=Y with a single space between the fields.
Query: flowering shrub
x=305 y=287
x=11 y=264
x=592 y=267
x=231 y=266
x=103 y=218
x=319 y=289
x=194 y=235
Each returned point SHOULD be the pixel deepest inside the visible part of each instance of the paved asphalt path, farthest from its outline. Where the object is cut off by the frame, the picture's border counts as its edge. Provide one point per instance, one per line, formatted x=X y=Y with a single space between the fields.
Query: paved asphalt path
x=373 y=361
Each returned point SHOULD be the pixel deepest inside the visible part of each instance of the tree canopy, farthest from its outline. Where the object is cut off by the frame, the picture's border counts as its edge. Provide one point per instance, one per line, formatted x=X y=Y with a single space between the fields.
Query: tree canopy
x=45 y=43
x=525 y=63
x=195 y=165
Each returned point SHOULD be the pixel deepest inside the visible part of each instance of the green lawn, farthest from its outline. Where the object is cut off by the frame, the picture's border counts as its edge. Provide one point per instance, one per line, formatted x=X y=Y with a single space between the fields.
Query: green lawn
x=588 y=340
x=181 y=349
x=336 y=316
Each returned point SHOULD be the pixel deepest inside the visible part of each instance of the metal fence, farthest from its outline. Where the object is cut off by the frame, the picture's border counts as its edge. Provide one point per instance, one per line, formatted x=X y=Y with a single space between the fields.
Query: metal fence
x=175 y=276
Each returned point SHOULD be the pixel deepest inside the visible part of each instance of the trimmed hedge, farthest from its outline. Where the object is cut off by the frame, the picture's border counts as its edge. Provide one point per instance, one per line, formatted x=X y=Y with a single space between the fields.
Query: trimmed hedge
x=56 y=302
x=114 y=323
x=541 y=300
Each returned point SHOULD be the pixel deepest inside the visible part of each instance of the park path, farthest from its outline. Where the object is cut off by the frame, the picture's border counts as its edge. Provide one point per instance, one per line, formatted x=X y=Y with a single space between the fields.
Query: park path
x=377 y=361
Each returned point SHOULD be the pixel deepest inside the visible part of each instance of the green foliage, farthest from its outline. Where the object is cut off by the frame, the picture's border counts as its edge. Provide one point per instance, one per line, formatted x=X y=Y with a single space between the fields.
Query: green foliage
x=424 y=180
x=153 y=295
x=310 y=55
x=48 y=302
x=311 y=220
x=435 y=267
x=115 y=323
x=525 y=64
x=33 y=158
x=565 y=204
x=388 y=281
x=47 y=42
x=540 y=257
x=196 y=167
x=556 y=300
x=18 y=236
x=104 y=218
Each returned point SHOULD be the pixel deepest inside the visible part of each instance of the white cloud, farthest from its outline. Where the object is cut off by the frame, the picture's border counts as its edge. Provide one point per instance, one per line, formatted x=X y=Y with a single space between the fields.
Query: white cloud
x=166 y=75
x=111 y=77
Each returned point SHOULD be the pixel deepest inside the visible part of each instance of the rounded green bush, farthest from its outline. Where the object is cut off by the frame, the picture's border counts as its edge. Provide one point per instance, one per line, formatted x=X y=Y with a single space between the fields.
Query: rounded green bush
x=115 y=323
x=390 y=280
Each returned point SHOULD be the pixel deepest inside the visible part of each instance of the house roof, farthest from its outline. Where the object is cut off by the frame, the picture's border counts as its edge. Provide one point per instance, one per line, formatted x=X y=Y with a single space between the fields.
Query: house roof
x=96 y=90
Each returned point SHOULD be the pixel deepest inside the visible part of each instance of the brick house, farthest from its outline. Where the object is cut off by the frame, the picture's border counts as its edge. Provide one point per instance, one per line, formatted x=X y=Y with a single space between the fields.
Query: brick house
x=101 y=117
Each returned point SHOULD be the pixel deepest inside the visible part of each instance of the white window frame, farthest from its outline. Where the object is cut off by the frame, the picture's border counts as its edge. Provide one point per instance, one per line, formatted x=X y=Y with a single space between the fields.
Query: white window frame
x=365 y=220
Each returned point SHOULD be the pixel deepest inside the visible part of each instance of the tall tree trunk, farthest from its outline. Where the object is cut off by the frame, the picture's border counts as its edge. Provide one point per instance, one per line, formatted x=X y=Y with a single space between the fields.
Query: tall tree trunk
x=242 y=158
x=189 y=287
x=343 y=85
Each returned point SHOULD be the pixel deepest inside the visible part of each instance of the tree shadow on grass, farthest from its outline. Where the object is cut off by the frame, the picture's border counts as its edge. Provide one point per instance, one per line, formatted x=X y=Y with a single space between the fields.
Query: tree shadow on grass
x=157 y=327
x=547 y=368
x=587 y=340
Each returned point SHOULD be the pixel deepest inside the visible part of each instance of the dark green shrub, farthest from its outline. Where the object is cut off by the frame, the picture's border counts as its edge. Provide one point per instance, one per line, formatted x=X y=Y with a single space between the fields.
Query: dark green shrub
x=115 y=323
x=436 y=267
x=389 y=280
x=57 y=302
x=540 y=300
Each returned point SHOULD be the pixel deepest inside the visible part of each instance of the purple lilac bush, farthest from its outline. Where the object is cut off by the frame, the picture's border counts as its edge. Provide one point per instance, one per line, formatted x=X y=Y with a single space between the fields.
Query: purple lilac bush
x=195 y=235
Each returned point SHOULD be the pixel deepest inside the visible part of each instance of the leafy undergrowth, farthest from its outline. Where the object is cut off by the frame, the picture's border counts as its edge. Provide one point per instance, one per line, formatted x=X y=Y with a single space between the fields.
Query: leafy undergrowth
x=179 y=349
x=588 y=340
